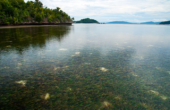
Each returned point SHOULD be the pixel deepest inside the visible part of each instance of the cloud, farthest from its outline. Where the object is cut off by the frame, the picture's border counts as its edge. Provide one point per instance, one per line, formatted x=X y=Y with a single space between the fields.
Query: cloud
x=100 y=8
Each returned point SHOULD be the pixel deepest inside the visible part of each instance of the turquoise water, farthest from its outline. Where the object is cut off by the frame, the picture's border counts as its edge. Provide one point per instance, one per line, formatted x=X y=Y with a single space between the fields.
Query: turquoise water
x=85 y=67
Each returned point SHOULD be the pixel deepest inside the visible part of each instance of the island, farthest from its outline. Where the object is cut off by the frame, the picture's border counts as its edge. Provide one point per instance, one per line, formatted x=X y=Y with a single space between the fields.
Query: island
x=120 y=22
x=165 y=22
x=150 y=22
x=87 y=20
x=31 y=12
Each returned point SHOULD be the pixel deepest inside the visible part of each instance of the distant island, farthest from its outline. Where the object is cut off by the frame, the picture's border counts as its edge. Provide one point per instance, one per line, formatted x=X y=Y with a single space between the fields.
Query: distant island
x=150 y=22
x=20 y=12
x=120 y=22
x=165 y=22
x=125 y=22
x=87 y=20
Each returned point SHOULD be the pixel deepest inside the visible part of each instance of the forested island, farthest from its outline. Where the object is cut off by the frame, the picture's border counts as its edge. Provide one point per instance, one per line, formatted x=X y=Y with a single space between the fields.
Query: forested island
x=20 y=12
x=87 y=20
x=165 y=22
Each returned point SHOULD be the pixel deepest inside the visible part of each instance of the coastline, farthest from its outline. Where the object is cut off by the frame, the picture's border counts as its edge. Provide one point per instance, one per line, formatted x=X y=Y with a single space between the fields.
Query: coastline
x=33 y=24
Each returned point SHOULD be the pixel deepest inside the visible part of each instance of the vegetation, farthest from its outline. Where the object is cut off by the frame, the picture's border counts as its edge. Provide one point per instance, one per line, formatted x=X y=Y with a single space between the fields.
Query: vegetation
x=87 y=20
x=17 y=11
x=165 y=22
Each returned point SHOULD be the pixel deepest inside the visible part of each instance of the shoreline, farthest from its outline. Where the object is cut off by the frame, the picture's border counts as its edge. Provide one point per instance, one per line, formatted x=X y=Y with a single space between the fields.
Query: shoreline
x=33 y=24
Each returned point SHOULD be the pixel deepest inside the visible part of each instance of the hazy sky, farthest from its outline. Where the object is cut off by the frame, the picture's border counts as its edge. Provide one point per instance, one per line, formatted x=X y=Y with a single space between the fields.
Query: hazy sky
x=114 y=10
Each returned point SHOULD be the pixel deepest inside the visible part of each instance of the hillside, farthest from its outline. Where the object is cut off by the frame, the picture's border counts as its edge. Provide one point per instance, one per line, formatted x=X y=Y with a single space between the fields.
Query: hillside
x=165 y=22
x=86 y=20
x=18 y=11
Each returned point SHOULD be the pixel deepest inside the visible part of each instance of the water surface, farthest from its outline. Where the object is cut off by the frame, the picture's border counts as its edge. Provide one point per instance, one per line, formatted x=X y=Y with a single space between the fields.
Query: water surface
x=85 y=66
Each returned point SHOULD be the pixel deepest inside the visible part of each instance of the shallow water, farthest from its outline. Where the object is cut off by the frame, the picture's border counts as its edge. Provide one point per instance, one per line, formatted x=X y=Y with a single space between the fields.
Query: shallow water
x=85 y=66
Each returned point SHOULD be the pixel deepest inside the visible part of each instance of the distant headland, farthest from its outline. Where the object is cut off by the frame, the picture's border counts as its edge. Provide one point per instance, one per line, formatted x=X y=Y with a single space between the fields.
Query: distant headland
x=165 y=22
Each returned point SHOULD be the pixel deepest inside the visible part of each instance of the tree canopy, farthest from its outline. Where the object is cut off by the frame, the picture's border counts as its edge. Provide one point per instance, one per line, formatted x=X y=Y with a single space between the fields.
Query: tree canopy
x=17 y=11
x=87 y=20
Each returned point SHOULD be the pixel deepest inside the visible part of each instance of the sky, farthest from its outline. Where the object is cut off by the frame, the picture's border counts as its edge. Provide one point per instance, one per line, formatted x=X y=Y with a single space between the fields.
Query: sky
x=113 y=10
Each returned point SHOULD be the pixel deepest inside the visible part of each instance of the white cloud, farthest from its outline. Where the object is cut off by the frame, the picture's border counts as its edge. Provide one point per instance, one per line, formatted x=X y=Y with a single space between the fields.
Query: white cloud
x=99 y=8
x=158 y=20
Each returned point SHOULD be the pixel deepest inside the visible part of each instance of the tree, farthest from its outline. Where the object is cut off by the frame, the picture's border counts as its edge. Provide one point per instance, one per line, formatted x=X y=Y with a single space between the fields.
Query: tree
x=72 y=19
x=17 y=11
x=38 y=17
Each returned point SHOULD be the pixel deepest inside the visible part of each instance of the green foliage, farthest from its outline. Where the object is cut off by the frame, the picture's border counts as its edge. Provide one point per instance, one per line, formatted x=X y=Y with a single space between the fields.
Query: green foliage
x=50 y=18
x=86 y=20
x=15 y=20
x=38 y=17
x=17 y=11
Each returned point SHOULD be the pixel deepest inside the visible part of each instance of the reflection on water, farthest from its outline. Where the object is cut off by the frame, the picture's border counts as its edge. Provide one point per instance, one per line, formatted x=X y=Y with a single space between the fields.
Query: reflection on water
x=85 y=66
x=21 y=39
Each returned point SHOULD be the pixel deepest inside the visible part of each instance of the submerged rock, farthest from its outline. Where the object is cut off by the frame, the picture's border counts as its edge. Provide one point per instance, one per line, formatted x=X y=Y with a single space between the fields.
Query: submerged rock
x=77 y=53
x=47 y=96
x=157 y=94
x=69 y=89
x=65 y=66
x=6 y=67
x=103 y=69
x=22 y=82
x=118 y=97
x=55 y=68
x=134 y=74
x=168 y=72
x=105 y=104
x=154 y=92
x=163 y=97
x=63 y=49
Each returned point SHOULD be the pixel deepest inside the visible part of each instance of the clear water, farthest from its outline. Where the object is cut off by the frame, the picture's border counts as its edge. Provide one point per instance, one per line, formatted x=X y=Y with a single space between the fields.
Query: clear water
x=85 y=66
